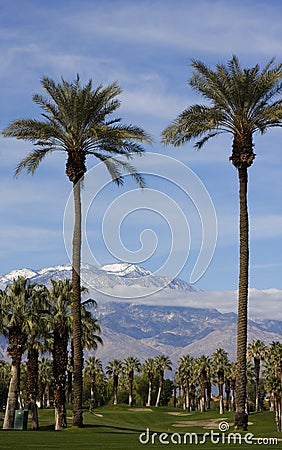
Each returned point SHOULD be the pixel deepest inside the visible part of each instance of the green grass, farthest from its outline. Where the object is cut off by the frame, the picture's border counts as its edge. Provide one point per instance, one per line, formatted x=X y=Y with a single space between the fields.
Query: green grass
x=118 y=427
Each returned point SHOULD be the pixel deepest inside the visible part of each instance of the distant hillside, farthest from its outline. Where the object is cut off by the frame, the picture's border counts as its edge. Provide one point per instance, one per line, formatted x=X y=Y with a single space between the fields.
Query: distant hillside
x=154 y=323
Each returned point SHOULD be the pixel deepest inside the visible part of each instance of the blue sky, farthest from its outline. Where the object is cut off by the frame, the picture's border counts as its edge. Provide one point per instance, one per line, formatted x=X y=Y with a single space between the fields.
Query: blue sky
x=146 y=46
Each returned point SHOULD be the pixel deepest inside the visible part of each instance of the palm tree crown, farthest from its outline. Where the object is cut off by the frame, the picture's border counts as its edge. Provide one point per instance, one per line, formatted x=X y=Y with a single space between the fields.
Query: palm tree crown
x=242 y=102
x=75 y=121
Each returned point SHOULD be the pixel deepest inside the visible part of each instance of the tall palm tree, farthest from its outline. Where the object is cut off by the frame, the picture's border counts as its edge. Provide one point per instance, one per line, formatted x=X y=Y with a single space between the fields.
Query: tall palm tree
x=94 y=368
x=162 y=363
x=219 y=361
x=114 y=369
x=130 y=365
x=241 y=102
x=78 y=121
x=17 y=317
x=149 y=369
x=256 y=351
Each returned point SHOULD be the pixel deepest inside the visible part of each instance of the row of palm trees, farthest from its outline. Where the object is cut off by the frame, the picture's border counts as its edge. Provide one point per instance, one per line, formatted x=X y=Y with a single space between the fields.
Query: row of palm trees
x=193 y=379
x=36 y=319
x=78 y=120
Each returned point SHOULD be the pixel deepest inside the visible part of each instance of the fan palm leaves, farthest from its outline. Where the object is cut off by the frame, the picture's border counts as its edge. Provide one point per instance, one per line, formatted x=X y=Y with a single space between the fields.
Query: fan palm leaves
x=78 y=120
x=240 y=102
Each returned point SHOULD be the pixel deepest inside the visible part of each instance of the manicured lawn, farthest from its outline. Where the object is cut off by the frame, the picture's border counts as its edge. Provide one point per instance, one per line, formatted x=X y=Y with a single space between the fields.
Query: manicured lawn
x=119 y=427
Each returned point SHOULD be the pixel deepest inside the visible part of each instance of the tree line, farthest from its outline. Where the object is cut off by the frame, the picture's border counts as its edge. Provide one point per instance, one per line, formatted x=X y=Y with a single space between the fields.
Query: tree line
x=79 y=121
x=38 y=321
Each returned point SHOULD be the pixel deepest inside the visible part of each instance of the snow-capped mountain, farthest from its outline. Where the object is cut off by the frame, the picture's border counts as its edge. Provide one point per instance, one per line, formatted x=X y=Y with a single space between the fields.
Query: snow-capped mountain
x=106 y=279
x=168 y=316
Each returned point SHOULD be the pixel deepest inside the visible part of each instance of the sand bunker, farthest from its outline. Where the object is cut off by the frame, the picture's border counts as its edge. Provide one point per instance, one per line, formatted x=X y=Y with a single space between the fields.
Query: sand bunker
x=208 y=424
x=139 y=409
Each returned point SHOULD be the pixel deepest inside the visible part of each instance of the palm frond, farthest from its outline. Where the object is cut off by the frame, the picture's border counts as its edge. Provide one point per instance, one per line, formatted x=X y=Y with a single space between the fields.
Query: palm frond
x=32 y=160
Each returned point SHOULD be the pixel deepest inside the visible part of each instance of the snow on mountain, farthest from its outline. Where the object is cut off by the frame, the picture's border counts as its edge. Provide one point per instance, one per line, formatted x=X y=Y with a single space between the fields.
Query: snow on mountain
x=176 y=320
x=126 y=270
x=116 y=280
x=26 y=273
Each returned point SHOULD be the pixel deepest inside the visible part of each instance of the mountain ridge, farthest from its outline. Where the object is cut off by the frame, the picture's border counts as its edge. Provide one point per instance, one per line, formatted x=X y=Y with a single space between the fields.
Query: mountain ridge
x=177 y=321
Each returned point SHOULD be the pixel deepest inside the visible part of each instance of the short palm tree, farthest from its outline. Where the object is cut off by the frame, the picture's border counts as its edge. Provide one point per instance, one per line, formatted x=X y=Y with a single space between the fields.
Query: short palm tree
x=35 y=345
x=241 y=102
x=91 y=331
x=203 y=369
x=114 y=369
x=273 y=372
x=45 y=379
x=149 y=369
x=93 y=368
x=5 y=371
x=257 y=351
x=230 y=379
x=129 y=366
x=184 y=372
x=78 y=120
x=219 y=361
x=162 y=363
x=17 y=316
x=59 y=323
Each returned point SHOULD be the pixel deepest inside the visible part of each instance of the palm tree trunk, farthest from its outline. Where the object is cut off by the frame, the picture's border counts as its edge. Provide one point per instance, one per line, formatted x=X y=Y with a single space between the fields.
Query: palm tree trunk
x=187 y=396
x=12 y=399
x=159 y=396
x=203 y=398
x=115 y=389
x=59 y=373
x=92 y=390
x=221 y=404
x=160 y=389
x=130 y=398
x=241 y=417
x=77 y=420
x=149 y=393
x=32 y=385
x=227 y=392
x=257 y=372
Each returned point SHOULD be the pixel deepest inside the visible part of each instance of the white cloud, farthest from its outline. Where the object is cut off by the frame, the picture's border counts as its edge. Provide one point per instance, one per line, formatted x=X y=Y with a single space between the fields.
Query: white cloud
x=223 y=301
x=180 y=25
